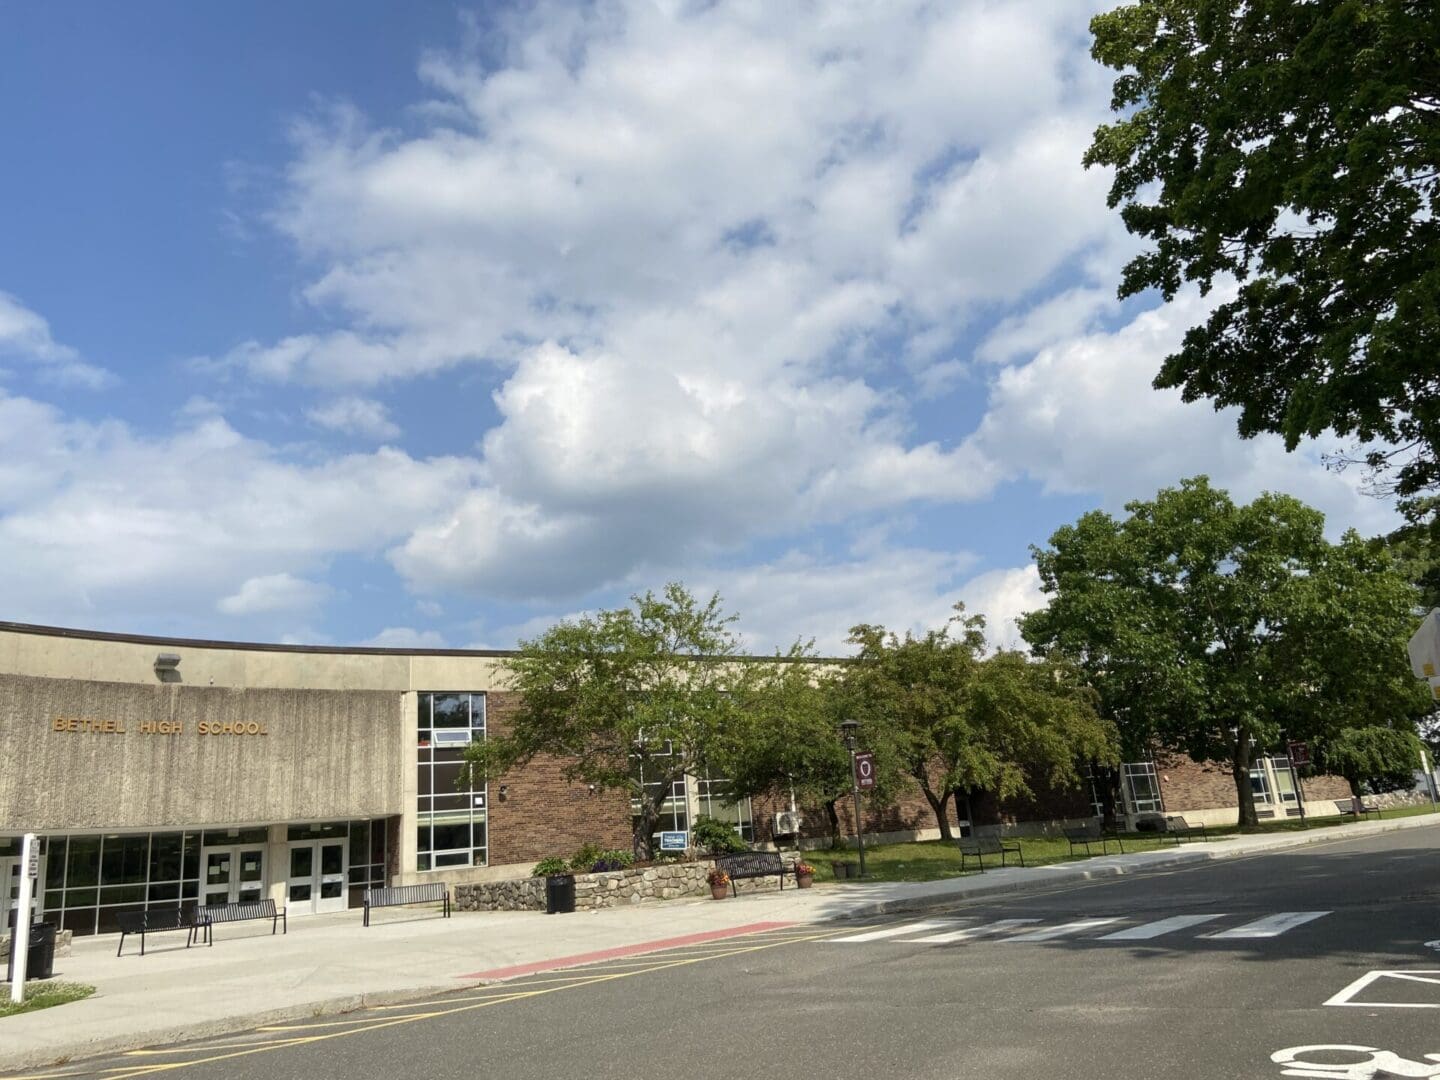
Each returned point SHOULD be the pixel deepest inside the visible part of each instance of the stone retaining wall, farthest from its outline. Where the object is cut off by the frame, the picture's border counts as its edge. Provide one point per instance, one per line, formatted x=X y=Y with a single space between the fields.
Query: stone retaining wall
x=667 y=881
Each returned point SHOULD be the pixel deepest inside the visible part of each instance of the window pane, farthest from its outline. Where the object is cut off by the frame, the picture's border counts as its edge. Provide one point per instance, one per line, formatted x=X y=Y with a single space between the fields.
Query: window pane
x=124 y=859
x=452 y=710
x=165 y=857
x=55 y=864
x=83 y=861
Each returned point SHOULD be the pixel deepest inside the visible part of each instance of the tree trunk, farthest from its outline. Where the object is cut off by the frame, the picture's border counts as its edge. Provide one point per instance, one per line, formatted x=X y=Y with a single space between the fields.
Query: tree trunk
x=1354 y=782
x=834 y=816
x=642 y=843
x=938 y=804
x=1240 y=770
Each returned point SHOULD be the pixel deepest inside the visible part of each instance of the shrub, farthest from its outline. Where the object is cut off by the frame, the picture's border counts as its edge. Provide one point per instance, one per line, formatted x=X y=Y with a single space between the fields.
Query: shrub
x=614 y=859
x=585 y=858
x=552 y=865
x=716 y=837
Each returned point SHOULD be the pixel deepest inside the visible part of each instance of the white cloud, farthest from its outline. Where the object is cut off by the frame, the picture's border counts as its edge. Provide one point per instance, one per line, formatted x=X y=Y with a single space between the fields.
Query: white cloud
x=26 y=335
x=406 y=637
x=1082 y=417
x=902 y=588
x=101 y=518
x=355 y=416
x=272 y=593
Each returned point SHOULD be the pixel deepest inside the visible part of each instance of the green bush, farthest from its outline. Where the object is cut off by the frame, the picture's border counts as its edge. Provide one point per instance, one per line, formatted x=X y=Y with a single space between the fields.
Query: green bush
x=585 y=858
x=614 y=859
x=716 y=837
x=553 y=865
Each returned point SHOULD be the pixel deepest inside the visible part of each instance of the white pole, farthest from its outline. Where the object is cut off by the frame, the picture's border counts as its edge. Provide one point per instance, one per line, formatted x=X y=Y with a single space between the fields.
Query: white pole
x=20 y=936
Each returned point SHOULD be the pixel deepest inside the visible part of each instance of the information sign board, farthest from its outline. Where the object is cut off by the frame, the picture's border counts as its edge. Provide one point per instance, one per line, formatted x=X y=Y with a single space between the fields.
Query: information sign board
x=865 y=771
x=674 y=841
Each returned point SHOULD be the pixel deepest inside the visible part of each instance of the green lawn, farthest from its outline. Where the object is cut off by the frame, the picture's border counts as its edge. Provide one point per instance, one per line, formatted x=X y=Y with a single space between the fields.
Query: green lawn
x=931 y=860
x=42 y=995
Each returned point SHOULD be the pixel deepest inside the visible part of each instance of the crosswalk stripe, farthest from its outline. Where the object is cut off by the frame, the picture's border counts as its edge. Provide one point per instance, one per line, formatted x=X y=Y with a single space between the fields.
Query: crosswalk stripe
x=1155 y=929
x=895 y=931
x=974 y=931
x=1052 y=932
x=1271 y=925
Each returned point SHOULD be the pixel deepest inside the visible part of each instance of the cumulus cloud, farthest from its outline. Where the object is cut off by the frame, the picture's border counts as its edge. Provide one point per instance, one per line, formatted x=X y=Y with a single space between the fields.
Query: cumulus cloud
x=26 y=336
x=274 y=592
x=1082 y=417
x=707 y=248
x=406 y=637
x=355 y=416
x=102 y=518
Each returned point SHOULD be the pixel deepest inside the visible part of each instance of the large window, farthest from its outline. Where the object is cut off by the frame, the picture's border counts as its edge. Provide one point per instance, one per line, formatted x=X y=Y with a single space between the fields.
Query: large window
x=716 y=801
x=1141 y=785
x=1260 y=783
x=451 y=822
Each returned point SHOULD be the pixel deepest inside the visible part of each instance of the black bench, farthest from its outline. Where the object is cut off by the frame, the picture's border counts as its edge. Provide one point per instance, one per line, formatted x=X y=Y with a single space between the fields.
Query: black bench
x=752 y=864
x=1092 y=832
x=1359 y=808
x=241 y=912
x=977 y=847
x=1181 y=829
x=153 y=921
x=398 y=895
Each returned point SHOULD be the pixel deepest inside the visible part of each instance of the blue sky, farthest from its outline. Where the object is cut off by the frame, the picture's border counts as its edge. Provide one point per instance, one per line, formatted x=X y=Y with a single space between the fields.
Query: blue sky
x=428 y=325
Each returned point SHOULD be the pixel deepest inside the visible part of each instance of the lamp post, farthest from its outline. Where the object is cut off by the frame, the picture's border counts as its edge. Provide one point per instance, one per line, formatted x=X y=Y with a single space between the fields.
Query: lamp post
x=847 y=730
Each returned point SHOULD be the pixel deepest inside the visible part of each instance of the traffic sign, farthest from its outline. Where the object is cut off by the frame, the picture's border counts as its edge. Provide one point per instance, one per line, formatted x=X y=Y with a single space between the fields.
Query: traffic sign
x=1424 y=647
x=865 y=771
x=1299 y=753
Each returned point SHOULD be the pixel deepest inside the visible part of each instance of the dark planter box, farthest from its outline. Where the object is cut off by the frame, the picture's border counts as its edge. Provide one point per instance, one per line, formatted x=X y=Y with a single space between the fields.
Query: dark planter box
x=846 y=870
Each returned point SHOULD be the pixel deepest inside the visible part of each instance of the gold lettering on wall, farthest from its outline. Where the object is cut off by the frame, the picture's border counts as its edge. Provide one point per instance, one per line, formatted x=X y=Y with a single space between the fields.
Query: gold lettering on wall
x=157 y=727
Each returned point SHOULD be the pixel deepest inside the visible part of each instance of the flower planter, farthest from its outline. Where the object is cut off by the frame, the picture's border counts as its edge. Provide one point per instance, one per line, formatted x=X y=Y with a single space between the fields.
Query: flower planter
x=804 y=881
x=846 y=870
x=719 y=892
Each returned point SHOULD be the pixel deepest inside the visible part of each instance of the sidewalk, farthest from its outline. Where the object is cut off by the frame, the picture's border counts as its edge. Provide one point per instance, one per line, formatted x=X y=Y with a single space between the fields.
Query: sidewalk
x=329 y=964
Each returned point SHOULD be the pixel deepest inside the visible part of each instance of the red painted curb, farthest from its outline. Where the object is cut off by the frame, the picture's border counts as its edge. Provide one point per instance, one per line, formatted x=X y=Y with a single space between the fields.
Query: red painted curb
x=623 y=950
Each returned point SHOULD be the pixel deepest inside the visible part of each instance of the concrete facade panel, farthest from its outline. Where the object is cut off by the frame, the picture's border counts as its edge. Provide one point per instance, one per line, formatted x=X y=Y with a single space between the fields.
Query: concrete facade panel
x=96 y=755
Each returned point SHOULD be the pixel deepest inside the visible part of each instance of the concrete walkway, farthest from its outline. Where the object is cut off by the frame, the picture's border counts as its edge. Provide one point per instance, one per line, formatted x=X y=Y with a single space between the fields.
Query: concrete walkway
x=330 y=964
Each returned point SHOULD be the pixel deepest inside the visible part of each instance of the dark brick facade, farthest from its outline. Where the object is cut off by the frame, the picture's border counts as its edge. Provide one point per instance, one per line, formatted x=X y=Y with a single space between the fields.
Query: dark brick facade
x=541 y=813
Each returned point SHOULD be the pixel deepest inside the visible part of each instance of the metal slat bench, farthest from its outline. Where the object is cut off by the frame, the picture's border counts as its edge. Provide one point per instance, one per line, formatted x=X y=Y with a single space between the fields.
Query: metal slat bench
x=752 y=864
x=399 y=895
x=153 y=921
x=1181 y=829
x=1092 y=832
x=1359 y=808
x=242 y=911
x=977 y=847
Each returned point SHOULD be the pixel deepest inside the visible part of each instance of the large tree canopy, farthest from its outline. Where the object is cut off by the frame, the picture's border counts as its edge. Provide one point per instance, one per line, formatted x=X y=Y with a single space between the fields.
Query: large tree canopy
x=1218 y=628
x=955 y=720
x=634 y=698
x=1293 y=145
x=1385 y=757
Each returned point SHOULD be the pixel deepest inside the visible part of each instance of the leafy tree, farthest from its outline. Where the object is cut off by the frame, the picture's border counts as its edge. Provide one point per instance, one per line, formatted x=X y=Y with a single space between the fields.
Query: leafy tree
x=959 y=722
x=786 y=738
x=1385 y=757
x=632 y=699
x=1415 y=548
x=1293 y=145
x=1214 y=628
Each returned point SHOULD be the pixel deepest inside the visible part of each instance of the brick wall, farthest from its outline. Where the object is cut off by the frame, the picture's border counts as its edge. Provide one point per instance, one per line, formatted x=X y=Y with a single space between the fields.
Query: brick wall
x=543 y=814
x=1186 y=784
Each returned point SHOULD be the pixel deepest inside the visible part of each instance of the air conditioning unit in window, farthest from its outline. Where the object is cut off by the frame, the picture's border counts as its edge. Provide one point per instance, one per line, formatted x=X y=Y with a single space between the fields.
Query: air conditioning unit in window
x=787 y=823
x=452 y=737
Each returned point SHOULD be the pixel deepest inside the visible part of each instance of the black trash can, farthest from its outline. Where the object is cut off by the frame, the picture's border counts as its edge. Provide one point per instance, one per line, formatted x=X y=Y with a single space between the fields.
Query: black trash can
x=559 y=894
x=40 y=961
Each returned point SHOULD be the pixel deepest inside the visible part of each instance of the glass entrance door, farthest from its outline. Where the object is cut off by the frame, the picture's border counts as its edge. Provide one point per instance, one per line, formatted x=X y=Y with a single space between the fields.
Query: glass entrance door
x=230 y=875
x=10 y=889
x=317 y=877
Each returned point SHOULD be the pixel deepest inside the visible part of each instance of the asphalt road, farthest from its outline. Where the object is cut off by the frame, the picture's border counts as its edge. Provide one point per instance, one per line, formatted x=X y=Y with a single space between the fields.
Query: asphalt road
x=1093 y=985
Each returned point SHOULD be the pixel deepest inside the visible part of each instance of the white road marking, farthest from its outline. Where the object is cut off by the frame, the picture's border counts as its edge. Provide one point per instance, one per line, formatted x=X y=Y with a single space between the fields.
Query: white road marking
x=1378 y=1063
x=974 y=931
x=1432 y=978
x=1050 y=933
x=1155 y=929
x=895 y=931
x=1270 y=926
